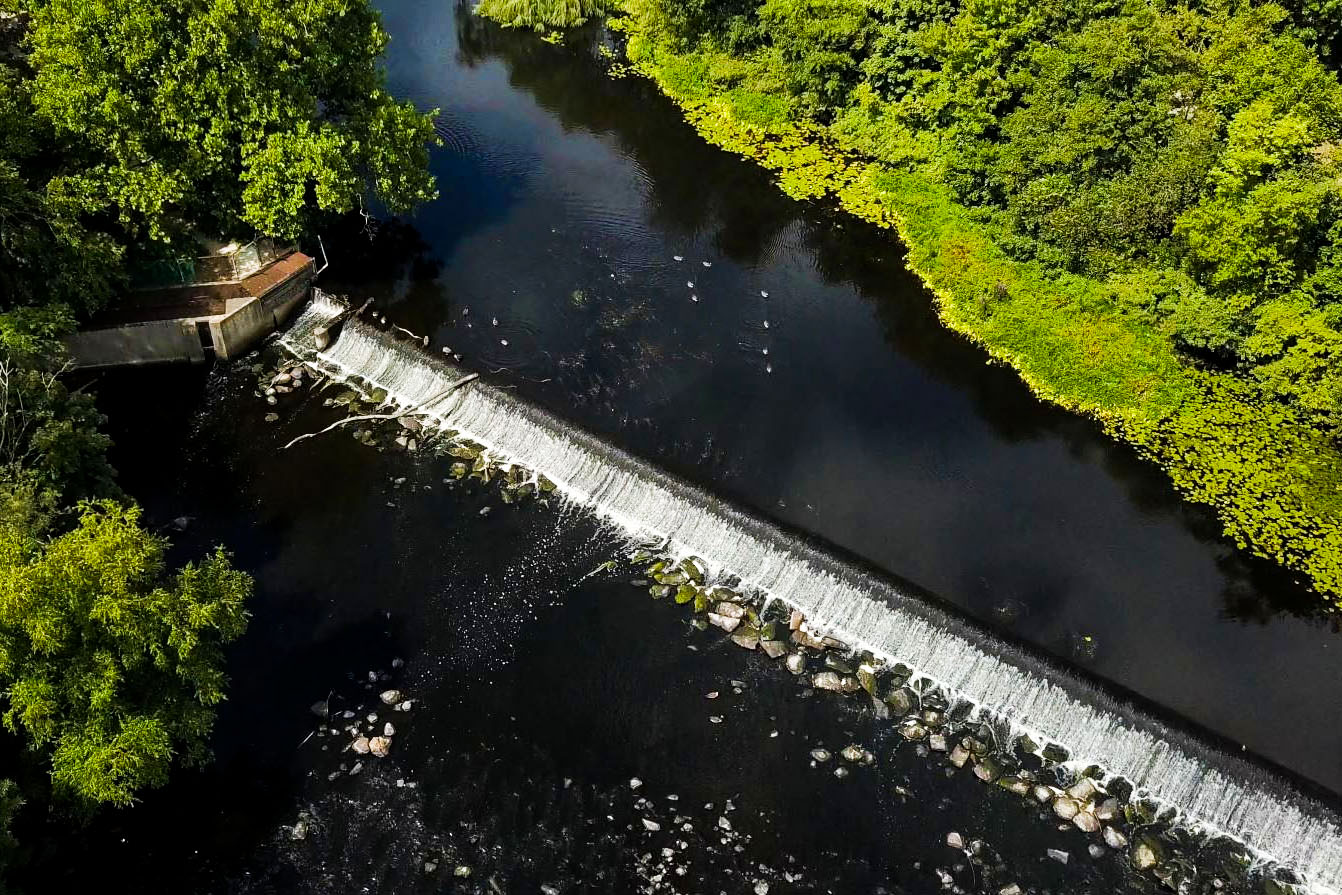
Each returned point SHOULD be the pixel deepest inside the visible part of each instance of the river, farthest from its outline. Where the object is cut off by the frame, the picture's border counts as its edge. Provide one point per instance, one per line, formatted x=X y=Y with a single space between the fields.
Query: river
x=788 y=362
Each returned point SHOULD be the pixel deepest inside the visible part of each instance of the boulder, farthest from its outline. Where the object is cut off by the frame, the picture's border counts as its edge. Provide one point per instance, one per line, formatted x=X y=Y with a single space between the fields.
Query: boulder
x=1147 y=852
x=796 y=663
x=827 y=680
x=773 y=648
x=724 y=622
x=747 y=638
x=1066 y=807
x=390 y=697
x=1086 y=822
x=360 y=745
x=1114 y=839
x=380 y=746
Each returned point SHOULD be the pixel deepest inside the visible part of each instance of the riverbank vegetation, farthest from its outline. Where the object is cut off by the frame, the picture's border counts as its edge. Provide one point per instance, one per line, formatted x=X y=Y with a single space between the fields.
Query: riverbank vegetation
x=1138 y=205
x=128 y=130
x=542 y=15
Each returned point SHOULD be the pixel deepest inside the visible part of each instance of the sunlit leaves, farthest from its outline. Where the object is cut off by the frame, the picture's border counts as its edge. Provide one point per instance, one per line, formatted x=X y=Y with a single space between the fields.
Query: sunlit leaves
x=109 y=663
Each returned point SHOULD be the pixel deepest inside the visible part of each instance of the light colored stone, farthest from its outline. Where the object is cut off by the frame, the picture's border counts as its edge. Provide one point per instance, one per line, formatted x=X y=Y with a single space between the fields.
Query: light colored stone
x=1066 y=807
x=360 y=745
x=726 y=623
x=827 y=680
x=380 y=746
x=390 y=697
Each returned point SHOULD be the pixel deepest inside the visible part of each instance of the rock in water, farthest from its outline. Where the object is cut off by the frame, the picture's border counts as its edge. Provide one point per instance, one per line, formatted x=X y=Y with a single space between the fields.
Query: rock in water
x=1066 y=808
x=1146 y=853
x=827 y=680
x=361 y=745
x=321 y=709
x=723 y=622
x=390 y=697
x=796 y=663
x=380 y=746
x=773 y=648
x=1114 y=839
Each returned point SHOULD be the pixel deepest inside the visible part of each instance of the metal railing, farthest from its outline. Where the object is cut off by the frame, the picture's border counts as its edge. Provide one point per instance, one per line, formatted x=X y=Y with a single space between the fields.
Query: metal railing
x=218 y=268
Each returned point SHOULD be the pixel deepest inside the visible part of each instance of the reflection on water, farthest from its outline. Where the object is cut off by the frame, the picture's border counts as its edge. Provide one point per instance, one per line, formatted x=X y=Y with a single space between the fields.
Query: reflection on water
x=866 y=423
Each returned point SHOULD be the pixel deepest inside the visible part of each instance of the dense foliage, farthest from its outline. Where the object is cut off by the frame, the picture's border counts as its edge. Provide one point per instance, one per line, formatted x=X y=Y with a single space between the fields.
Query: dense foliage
x=1193 y=150
x=541 y=15
x=1134 y=204
x=128 y=130
x=108 y=665
x=126 y=124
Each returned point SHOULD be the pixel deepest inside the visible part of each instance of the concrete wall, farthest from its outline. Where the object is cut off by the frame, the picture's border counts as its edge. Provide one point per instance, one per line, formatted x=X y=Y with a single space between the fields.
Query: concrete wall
x=246 y=320
x=281 y=301
x=241 y=327
x=153 y=342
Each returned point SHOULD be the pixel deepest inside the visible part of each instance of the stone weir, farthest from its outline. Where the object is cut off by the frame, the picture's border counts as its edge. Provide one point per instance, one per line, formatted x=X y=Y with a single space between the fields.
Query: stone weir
x=1170 y=763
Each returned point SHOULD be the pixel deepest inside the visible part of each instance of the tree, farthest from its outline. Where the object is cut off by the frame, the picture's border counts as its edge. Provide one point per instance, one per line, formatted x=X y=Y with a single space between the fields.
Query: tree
x=541 y=14
x=108 y=664
x=222 y=116
x=49 y=438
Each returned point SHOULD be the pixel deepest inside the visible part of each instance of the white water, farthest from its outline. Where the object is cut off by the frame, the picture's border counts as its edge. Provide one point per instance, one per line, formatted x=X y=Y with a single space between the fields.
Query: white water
x=1219 y=791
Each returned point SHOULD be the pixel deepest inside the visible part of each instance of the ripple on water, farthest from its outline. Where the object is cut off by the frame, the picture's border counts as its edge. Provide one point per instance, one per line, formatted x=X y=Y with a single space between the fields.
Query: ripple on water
x=514 y=344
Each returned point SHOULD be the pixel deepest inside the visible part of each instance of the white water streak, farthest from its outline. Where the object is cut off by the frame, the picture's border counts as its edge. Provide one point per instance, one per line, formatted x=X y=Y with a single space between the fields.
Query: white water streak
x=1218 y=791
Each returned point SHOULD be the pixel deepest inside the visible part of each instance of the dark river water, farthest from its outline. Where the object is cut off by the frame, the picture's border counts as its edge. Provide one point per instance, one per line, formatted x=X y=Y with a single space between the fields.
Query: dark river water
x=788 y=362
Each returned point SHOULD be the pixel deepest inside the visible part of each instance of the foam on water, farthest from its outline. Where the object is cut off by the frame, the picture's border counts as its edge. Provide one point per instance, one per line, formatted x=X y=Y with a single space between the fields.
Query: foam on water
x=1211 y=787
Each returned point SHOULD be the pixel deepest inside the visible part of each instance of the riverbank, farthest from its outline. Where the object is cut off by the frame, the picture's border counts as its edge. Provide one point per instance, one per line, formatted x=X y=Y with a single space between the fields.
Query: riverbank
x=1274 y=480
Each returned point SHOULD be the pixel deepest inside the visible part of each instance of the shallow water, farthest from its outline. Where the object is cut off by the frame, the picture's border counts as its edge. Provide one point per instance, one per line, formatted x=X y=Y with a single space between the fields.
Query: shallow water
x=566 y=197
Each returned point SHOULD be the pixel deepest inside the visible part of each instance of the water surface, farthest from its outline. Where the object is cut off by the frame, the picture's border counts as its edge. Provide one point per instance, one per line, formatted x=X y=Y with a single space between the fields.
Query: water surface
x=550 y=263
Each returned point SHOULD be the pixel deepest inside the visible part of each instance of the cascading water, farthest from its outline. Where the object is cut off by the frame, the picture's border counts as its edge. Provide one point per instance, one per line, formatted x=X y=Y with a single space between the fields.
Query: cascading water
x=1209 y=786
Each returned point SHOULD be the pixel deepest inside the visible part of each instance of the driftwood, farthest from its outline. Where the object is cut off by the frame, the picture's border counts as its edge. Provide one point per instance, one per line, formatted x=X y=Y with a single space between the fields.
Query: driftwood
x=387 y=416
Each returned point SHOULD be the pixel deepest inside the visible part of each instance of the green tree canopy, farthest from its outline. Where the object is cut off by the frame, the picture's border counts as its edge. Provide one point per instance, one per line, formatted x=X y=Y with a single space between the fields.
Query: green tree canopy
x=108 y=664
x=223 y=115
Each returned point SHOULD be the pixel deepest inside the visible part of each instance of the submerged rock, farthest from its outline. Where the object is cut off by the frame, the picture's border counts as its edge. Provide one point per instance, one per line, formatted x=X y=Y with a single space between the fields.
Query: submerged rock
x=360 y=745
x=1114 y=839
x=796 y=663
x=390 y=697
x=773 y=648
x=853 y=752
x=820 y=755
x=380 y=746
